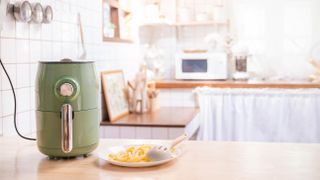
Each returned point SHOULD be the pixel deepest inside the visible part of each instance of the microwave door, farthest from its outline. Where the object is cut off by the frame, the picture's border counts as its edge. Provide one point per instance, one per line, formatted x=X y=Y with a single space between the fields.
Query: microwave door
x=194 y=66
x=207 y=66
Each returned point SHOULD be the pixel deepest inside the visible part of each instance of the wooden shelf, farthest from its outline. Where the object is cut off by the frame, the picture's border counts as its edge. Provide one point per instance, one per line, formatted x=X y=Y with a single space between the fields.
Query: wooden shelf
x=113 y=3
x=233 y=84
x=117 y=40
x=201 y=23
x=180 y=24
x=157 y=24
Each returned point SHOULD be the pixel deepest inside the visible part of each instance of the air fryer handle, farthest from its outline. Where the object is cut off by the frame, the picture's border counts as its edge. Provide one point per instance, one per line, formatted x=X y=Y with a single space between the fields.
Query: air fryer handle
x=66 y=128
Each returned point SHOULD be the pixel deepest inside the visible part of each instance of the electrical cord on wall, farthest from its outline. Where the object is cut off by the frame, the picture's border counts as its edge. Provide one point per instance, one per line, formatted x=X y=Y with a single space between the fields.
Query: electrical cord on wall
x=15 y=105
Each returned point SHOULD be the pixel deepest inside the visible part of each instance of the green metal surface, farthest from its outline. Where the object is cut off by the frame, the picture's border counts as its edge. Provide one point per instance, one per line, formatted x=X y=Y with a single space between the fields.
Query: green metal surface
x=84 y=102
x=81 y=76
x=85 y=133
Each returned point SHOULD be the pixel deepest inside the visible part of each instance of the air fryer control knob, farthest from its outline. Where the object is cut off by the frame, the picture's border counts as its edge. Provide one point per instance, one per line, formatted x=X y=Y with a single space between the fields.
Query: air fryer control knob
x=66 y=89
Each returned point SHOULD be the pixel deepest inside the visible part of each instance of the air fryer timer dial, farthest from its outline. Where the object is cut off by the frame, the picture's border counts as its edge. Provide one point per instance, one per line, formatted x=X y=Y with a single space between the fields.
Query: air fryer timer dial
x=66 y=89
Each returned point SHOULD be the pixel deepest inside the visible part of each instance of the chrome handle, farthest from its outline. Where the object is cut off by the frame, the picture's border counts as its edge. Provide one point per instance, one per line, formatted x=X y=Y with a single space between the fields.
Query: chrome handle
x=66 y=128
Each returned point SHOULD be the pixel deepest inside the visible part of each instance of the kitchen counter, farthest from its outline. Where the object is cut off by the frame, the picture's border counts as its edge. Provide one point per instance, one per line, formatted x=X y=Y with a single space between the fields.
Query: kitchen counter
x=163 y=123
x=20 y=159
x=162 y=117
x=176 y=84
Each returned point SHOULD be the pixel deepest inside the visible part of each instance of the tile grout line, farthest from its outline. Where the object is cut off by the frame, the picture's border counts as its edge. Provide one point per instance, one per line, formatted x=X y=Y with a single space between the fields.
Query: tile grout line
x=17 y=88
x=20 y=112
x=50 y=40
x=1 y=106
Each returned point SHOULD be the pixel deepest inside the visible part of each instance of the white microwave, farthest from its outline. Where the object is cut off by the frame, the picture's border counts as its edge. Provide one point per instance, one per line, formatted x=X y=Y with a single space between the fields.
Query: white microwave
x=201 y=66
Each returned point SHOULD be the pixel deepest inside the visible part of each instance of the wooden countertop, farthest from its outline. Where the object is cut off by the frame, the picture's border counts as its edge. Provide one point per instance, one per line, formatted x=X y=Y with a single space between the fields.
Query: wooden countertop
x=20 y=159
x=234 y=84
x=163 y=117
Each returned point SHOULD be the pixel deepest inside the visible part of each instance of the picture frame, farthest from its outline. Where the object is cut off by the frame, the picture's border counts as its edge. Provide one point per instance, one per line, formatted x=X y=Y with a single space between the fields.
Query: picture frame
x=114 y=87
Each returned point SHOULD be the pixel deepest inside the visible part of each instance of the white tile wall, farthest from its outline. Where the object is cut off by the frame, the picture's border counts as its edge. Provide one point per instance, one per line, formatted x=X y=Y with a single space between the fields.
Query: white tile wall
x=8 y=47
x=8 y=127
x=11 y=70
x=177 y=97
x=23 y=78
x=23 y=99
x=22 y=51
x=7 y=103
x=23 y=45
x=1 y=123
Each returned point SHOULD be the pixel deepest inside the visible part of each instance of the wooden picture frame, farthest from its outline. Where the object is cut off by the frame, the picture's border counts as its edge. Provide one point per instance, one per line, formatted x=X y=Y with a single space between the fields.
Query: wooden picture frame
x=113 y=87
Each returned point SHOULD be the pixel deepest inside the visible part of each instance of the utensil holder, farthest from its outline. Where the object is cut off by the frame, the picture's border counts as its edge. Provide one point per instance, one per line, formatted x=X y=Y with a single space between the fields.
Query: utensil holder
x=153 y=104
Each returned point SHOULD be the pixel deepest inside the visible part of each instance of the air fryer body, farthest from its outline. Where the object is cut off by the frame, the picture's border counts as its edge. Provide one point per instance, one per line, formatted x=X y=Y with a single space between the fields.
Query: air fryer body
x=67 y=108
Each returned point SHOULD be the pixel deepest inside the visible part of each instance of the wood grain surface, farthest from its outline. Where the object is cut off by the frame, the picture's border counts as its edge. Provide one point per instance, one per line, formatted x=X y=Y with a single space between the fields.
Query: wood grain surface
x=20 y=159
x=234 y=84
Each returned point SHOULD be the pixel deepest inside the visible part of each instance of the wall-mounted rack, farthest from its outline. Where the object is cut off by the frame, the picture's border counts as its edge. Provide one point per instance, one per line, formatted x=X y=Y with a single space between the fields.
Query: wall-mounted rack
x=26 y=12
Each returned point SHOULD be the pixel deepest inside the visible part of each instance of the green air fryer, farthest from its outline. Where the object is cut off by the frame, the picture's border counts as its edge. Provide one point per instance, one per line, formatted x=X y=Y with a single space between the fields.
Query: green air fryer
x=67 y=108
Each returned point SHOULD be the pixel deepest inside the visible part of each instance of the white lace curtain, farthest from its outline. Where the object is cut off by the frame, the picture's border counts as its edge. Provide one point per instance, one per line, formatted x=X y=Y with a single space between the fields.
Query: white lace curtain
x=272 y=115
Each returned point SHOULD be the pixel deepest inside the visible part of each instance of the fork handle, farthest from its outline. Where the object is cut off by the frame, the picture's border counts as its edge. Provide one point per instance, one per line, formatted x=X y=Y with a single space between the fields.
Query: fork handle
x=178 y=140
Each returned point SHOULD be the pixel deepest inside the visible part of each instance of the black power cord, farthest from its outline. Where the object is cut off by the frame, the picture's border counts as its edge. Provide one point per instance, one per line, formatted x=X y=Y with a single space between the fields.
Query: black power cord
x=15 y=106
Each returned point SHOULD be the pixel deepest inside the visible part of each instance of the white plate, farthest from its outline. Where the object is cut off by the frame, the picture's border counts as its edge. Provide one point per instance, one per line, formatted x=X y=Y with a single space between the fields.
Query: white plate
x=104 y=154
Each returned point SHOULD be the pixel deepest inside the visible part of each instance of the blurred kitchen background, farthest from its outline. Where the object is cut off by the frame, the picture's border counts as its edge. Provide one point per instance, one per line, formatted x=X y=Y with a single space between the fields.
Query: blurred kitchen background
x=278 y=38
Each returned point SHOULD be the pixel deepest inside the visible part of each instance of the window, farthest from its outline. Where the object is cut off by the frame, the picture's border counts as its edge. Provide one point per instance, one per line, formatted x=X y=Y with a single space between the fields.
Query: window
x=279 y=33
